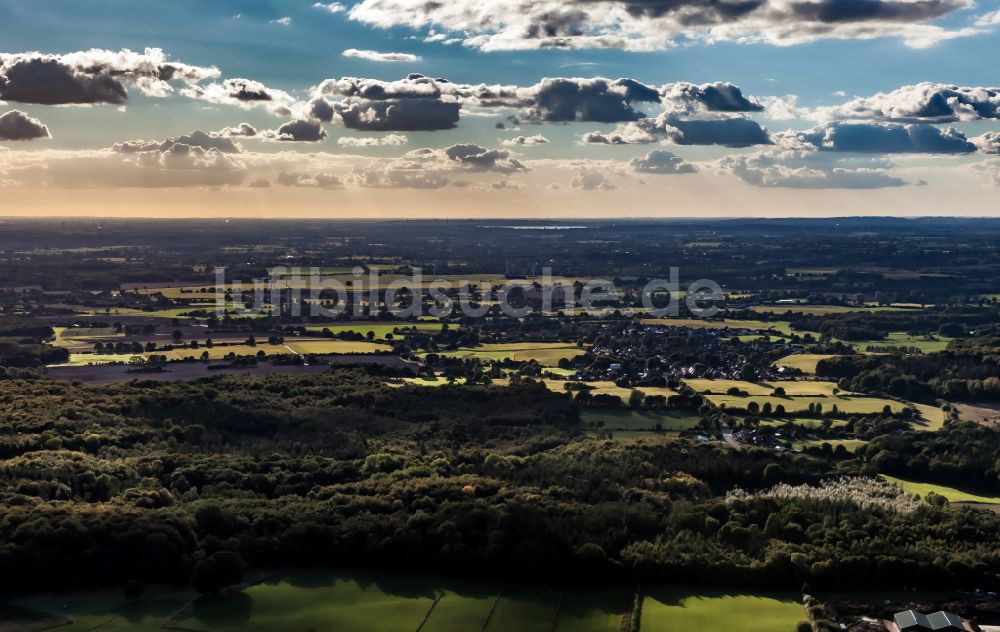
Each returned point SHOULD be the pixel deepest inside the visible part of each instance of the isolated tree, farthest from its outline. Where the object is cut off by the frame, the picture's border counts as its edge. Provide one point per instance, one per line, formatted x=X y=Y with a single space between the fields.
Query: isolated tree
x=635 y=399
x=217 y=571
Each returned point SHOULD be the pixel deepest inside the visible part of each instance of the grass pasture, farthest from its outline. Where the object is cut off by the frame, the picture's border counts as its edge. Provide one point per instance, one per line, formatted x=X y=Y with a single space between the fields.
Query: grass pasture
x=699 y=323
x=820 y=310
x=952 y=494
x=305 y=601
x=319 y=346
x=324 y=347
x=77 y=339
x=673 y=610
x=850 y=444
x=926 y=344
x=799 y=395
x=312 y=600
x=792 y=405
x=793 y=388
x=805 y=362
x=597 y=388
x=545 y=353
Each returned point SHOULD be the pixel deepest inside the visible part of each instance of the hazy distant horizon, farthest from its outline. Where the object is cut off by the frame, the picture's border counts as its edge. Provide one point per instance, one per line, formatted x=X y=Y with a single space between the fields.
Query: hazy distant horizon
x=400 y=108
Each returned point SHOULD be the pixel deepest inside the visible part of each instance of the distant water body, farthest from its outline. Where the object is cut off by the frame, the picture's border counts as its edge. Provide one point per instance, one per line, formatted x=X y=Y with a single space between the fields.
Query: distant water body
x=534 y=227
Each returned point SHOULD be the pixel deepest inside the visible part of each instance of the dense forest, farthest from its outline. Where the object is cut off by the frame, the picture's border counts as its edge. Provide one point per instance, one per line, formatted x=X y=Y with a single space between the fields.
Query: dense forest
x=967 y=370
x=153 y=480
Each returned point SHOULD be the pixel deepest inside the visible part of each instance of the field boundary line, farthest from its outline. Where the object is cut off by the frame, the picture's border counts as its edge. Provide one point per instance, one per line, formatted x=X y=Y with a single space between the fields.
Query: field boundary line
x=489 y=615
x=555 y=619
x=427 y=615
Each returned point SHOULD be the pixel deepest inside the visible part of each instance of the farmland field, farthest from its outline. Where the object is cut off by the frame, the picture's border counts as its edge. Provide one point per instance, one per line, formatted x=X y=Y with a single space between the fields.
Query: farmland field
x=699 y=323
x=926 y=344
x=850 y=444
x=83 y=339
x=601 y=387
x=303 y=346
x=545 y=353
x=987 y=414
x=673 y=610
x=378 y=330
x=805 y=362
x=952 y=494
x=304 y=601
x=849 y=405
x=933 y=416
x=793 y=388
x=362 y=282
x=820 y=310
x=315 y=601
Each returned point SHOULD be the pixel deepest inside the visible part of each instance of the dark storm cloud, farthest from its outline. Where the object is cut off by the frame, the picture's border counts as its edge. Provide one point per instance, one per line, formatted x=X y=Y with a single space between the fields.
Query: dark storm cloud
x=594 y=100
x=16 y=125
x=730 y=132
x=247 y=90
x=483 y=159
x=884 y=138
x=301 y=131
x=94 y=76
x=406 y=115
x=711 y=97
x=558 y=99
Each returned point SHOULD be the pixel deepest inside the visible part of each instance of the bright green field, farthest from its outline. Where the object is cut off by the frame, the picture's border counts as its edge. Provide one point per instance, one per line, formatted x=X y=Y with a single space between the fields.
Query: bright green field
x=670 y=610
x=953 y=495
x=305 y=601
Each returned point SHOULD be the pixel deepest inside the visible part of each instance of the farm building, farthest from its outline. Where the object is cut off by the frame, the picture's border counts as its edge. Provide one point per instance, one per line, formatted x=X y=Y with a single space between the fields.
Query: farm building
x=913 y=621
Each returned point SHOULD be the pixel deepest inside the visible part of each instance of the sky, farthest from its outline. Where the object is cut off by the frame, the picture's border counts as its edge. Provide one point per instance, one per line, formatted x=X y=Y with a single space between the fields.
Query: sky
x=499 y=108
